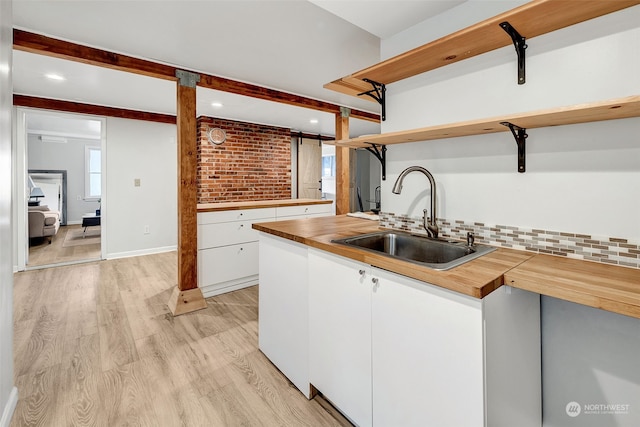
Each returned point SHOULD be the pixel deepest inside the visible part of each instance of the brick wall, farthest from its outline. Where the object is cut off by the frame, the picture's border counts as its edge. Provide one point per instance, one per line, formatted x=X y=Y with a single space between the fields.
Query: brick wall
x=254 y=163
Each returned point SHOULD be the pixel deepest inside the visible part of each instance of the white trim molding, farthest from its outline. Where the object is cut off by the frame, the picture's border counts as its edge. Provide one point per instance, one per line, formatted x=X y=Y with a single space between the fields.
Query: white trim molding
x=9 y=408
x=142 y=252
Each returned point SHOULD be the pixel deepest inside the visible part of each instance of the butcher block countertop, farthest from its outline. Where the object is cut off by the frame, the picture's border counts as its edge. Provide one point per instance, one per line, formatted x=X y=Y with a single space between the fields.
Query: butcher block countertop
x=258 y=204
x=476 y=278
x=598 y=285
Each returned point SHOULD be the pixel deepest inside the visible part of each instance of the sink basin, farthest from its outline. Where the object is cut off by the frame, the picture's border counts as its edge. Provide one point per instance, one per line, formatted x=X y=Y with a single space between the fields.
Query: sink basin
x=433 y=253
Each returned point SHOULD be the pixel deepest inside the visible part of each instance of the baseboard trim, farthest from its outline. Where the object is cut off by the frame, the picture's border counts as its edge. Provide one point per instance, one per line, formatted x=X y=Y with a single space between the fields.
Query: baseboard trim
x=9 y=408
x=213 y=290
x=141 y=252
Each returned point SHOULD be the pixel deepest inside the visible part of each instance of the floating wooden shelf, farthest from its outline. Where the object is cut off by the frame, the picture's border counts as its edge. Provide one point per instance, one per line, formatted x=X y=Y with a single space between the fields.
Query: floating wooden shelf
x=530 y=20
x=621 y=108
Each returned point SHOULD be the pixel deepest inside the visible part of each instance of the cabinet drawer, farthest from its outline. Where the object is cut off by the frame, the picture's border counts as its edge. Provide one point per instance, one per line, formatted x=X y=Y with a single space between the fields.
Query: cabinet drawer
x=324 y=208
x=226 y=233
x=219 y=265
x=264 y=214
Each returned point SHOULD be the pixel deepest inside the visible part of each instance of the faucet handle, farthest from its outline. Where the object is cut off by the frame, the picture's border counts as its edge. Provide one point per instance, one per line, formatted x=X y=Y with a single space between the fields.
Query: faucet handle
x=470 y=239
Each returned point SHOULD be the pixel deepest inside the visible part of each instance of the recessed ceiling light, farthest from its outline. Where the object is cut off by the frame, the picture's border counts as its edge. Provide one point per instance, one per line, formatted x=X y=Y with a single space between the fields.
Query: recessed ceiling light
x=52 y=76
x=216 y=104
x=313 y=121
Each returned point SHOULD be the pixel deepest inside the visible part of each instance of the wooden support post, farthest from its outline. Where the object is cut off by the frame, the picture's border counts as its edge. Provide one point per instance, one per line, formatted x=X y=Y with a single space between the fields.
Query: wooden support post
x=187 y=297
x=344 y=187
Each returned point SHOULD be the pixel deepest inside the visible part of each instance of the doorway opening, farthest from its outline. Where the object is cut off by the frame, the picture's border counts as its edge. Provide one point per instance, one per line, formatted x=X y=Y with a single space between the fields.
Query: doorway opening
x=368 y=181
x=64 y=188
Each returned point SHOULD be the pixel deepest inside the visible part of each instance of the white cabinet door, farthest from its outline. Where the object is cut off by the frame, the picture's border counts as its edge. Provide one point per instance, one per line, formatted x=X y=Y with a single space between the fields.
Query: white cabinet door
x=340 y=333
x=265 y=214
x=227 y=263
x=226 y=233
x=427 y=345
x=303 y=210
x=283 y=301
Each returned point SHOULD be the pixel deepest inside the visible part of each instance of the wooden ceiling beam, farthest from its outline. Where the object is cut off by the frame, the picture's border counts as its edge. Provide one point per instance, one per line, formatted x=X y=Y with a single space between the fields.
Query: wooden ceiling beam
x=247 y=89
x=96 y=110
x=44 y=45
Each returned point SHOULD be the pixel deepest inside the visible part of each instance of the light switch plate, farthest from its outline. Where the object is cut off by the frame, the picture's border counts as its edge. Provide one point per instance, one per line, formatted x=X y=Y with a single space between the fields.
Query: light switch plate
x=136 y=182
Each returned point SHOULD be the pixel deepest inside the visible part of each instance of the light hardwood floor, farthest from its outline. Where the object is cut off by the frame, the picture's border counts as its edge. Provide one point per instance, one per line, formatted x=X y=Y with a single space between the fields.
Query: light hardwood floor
x=43 y=253
x=95 y=345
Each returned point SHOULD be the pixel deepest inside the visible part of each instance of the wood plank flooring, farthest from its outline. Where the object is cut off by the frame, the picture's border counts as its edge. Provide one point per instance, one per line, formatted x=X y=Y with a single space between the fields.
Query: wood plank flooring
x=43 y=253
x=96 y=345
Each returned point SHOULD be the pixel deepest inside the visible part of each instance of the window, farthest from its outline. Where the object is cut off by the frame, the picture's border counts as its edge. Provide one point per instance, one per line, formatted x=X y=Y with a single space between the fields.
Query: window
x=93 y=173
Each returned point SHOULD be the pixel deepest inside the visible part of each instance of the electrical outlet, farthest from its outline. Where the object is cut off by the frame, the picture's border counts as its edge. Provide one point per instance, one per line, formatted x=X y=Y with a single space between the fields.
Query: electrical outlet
x=78 y=197
x=136 y=182
x=146 y=229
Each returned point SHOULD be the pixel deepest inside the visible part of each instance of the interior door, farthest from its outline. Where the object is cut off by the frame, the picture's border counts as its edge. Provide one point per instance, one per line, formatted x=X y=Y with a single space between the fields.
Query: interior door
x=309 y=169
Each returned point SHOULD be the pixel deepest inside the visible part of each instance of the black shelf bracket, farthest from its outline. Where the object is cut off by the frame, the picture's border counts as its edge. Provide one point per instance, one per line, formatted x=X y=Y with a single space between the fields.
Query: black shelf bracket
x=520 y=135
x=520 y=44
x=381 y=154
x=378 y=92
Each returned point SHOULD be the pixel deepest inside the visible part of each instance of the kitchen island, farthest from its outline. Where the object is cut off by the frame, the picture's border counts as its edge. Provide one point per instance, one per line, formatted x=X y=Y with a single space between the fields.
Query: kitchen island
x=476 y=278
x=387 y=340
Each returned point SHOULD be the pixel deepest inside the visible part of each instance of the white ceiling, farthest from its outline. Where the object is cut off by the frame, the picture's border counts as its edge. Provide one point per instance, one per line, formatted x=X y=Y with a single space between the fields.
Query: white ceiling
x=385 y=18
x=102 y=86
x=291 y=45
x=63 y=125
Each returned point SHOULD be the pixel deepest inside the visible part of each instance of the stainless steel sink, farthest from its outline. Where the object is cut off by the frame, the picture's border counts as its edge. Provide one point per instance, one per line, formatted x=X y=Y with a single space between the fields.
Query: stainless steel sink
x=433 y=253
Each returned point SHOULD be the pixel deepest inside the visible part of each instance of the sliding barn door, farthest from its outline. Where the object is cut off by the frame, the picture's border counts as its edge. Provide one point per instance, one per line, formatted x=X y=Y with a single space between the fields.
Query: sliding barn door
x=309 y=169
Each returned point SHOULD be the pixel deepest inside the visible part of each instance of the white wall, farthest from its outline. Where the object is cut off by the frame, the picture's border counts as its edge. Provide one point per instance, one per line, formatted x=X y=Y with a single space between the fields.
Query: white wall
x=8 y=393
x=145 y=151
x=457 y=18
x=580 y=178
x=69 y=156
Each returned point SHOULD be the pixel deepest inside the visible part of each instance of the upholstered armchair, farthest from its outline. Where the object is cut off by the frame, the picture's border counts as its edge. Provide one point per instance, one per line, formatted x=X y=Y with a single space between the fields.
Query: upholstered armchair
x=43 y=222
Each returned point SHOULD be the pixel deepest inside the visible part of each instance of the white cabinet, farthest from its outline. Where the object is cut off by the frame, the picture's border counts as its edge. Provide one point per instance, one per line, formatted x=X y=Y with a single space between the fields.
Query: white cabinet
x=427 y=355
x=283 y=315
x=388 y=350
x=228 y=249
x=228 y=245
x=340 y=333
